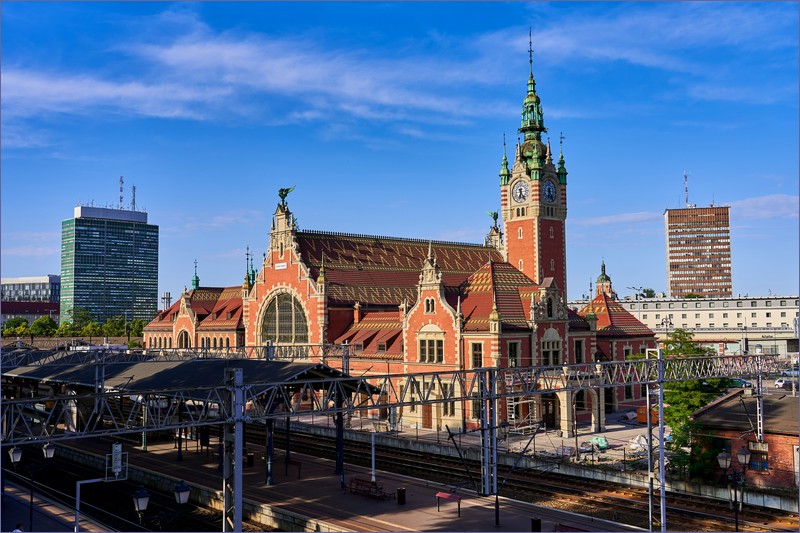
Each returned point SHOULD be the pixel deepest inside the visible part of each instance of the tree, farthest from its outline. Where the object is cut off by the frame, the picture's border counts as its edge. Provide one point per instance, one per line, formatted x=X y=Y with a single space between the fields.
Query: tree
x=80 y=316
x=648 y=293
x=92 y=329
x=137 y=327
x=682 y=398
x=67 y=329
x=114 y=327
x=10 y=326
x=44 y=326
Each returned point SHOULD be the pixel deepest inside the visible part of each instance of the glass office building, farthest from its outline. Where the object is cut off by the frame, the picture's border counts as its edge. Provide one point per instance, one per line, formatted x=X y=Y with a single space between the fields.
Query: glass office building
x=109 y=264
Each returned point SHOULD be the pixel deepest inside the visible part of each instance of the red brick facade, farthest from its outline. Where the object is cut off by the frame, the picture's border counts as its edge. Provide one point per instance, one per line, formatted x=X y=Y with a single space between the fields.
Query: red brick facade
x=413 y=306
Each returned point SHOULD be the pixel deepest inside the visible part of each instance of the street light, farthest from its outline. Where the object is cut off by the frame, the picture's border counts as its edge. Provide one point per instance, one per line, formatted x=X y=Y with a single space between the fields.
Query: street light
x=48 y=450
x=141 y=498
x=735 y=479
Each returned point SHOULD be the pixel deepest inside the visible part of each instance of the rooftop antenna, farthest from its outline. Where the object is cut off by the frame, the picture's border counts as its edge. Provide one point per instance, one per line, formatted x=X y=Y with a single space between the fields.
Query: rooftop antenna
x=133 y=198
x=120 y=192
x=686 y=186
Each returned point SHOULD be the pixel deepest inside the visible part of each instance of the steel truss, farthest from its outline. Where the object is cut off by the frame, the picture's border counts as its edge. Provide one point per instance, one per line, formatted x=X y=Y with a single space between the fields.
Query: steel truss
x=234 y=402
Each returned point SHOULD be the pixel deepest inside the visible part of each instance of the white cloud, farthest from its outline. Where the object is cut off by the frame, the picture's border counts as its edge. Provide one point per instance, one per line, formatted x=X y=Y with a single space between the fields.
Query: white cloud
x=622 y=218
x=766 y=207
x=32 y=251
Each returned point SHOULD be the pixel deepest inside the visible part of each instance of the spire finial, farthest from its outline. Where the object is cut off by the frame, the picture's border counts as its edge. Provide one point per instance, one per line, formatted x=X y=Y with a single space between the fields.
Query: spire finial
x=195 y=279
x=195 y=267
x=504 y=145
x=561 y=142
x=530 y=48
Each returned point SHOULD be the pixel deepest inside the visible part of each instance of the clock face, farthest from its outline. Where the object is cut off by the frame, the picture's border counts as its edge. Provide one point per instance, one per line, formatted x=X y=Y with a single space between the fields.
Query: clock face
x=520 y=191
x=549 y=192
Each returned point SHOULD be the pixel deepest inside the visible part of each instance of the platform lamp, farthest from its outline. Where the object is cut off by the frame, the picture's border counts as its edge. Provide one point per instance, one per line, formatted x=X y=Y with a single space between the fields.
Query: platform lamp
x=735 y=479
x=181 y=492
x=15 y=454
x=140 y=500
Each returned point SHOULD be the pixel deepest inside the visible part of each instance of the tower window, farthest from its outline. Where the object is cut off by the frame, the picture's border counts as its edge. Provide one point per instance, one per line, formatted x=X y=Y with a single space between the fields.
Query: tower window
x=284 y=321
x=552 y=232
x=552 y=264
x=477 y=355
x=519 y=233
x=430 y=305
x=520 y=265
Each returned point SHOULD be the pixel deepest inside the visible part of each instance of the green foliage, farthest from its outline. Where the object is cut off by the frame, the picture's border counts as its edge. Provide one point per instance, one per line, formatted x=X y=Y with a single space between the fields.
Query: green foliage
x=80 y=317
x=681 y=343
x=693 y=295
x=10 y=326
x=114 y=327
x=648 y=293
x=44 y=326
x=67 y=329
x=137 y=327
x=135 y=344
x=92 y=329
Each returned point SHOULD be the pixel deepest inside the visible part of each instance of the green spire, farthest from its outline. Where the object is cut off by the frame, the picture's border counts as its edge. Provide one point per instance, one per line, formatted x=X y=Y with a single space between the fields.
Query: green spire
x=562 y=170
x=505 y=174
x=250 y=273
x=195 y=279
x=603 y=277
x=532 y=116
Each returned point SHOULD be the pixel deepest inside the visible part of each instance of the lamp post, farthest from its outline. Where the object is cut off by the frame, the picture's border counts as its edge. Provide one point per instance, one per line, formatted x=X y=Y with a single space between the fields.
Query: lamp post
x=141 y=499
x=639 y=292
x=735 y=479
x=48 y=450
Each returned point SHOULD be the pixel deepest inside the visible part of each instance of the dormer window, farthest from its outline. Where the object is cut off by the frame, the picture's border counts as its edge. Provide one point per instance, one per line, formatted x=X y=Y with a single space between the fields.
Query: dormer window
x=430 y=305
x=381 y=346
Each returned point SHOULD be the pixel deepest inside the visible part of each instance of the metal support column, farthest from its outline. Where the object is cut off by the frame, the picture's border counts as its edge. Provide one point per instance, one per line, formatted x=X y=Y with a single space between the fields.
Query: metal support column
x=269 y=450
x=232 y=451
x=662 y=480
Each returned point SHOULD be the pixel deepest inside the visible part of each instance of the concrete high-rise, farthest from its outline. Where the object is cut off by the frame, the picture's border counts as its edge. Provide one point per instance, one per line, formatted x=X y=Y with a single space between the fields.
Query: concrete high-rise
x=698 y=251
x=109 y=264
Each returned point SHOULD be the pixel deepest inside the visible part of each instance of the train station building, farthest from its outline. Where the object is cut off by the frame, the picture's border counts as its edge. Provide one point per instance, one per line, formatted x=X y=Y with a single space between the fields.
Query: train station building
x=415 y=306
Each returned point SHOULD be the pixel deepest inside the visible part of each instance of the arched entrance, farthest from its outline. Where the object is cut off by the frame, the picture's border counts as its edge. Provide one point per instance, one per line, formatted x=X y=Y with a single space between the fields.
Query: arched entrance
x=183 y=340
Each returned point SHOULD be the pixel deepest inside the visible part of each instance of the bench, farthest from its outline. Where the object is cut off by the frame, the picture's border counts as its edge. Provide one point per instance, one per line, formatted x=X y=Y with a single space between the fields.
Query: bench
x=447 y=496
x=368 y=488
x=296 y=463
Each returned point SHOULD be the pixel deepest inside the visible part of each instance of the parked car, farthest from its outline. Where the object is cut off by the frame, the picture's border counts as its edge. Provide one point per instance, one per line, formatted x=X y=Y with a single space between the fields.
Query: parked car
x=785 y=383
x=739 y=382
x=791 y=372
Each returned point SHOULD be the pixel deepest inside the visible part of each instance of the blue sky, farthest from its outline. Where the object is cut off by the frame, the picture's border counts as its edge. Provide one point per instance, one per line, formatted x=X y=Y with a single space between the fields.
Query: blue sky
x=389 y=119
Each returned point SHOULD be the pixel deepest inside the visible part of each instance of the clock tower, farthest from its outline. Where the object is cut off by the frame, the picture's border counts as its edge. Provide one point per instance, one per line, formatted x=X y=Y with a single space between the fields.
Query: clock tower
x=533 y=198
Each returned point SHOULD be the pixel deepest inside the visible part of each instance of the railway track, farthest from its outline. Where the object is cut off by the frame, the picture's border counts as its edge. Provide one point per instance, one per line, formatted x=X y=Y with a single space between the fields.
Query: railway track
x=599 y=499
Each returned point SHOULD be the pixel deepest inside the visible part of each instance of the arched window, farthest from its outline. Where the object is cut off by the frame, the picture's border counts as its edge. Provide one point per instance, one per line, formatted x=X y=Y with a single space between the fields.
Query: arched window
x=215 y=342
x=284 y=321
x=430 y=305
x=170 y=342
x=580 y=400
x=520 y=265
x=552 y=264
x=519 y=233
x=227 y=342
x=549 y=308
x=552 y=232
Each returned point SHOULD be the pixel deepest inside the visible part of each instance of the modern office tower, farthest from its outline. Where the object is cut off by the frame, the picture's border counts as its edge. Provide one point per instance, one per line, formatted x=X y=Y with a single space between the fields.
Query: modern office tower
x=109 y=264
x=698 y=251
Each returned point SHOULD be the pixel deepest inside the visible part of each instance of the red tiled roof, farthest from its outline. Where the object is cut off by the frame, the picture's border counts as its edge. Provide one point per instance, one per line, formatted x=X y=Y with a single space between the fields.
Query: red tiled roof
x=613 y=320
x=501 y=283
x=212 y=305
x=375 y=327
x=385 y=270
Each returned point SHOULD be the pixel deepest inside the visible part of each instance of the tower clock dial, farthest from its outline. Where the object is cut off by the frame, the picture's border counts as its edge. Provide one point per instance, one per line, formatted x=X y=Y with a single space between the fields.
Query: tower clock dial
x=549 y=192
x=520 y=191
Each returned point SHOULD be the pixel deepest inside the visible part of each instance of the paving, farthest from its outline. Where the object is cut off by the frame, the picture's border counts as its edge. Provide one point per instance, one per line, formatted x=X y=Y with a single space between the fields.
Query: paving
x=312 y=488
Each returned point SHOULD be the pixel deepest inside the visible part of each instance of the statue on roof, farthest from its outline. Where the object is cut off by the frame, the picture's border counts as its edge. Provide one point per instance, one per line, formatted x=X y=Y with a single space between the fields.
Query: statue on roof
x=494 y=216
x=283 y=193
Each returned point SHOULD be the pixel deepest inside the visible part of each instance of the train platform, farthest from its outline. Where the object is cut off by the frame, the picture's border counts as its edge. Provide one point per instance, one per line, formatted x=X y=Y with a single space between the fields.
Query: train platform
x=308 y=486
x=35 y=513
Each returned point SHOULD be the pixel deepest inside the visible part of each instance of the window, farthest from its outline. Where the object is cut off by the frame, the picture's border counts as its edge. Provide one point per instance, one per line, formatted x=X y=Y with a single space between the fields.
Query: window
x=759 y=455
x=724 y=315
x=579 y=351
x=658 y=306
x=477 y=355
x=476 y=407
x=658 y=316
x=783 y=303
x=520 y=265
x=738 y=304
x=697 y=305
x=712 y=304
x=627 y=350
x=769 y=303
x=448 y=407
x=552 y=264
x=738 y=315
x=683 y=315
x=580 y=400
x=753 y=303
x=628 y=392
x=551 y=353
x=752 y=315
x=552 y=233
x=783 y=314
x=724 y=304
x=644 y=306
x=710 y=315
x=430 y=350
x=769 y=315
x=381 y=346
x=430 y=305
x=672 y=305
x=284 y=321
x=684 y=305
x=644 y=316
x=519 y=233
x=513 y=354
x=769 y=324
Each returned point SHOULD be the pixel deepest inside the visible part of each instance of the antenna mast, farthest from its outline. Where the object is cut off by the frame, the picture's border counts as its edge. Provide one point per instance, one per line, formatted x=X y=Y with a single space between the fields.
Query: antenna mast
x=120 y=192
x=686 y=186
x=133 y=198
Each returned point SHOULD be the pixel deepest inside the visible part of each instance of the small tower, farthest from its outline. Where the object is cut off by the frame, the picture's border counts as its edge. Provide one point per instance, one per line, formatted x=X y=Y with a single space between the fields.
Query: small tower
x=247 y=284
x=195 y=278
x=603 y=285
